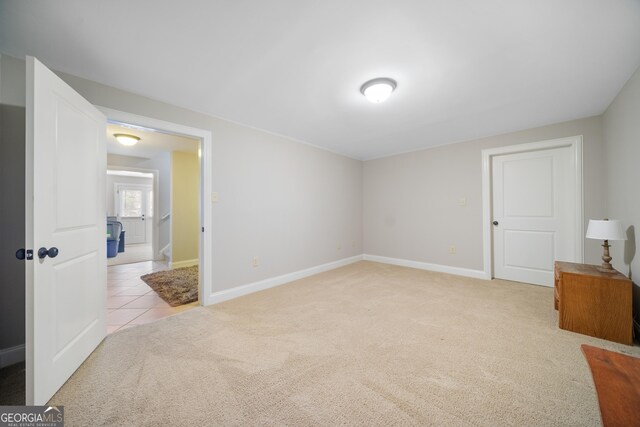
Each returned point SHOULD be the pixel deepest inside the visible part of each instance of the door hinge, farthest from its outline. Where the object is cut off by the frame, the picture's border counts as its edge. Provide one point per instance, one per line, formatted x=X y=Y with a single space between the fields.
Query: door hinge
x=22 y=254
x=203 y=229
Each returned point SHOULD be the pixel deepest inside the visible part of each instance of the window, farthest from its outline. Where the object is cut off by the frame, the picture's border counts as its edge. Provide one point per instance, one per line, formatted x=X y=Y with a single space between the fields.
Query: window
x=133 y=200
x=131 y=203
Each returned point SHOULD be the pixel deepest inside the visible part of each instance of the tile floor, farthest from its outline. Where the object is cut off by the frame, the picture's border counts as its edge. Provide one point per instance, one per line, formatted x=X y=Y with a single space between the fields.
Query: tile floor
x=133 y=253
x=130 y=301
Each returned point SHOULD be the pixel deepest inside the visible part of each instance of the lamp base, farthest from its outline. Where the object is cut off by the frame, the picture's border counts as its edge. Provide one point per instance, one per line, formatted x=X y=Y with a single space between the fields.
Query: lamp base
x=604 y=269
x=606 y=266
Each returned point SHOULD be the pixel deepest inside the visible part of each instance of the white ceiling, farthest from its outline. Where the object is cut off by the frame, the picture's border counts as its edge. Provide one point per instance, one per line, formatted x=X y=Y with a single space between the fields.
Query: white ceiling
x=465 y=68
x=151 y=143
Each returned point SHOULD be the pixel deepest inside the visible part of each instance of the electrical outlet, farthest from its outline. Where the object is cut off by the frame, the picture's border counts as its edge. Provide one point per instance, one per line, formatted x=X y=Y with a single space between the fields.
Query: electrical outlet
x=214 y=196
x=353 y=244
x=462 y=201
x=256 y=261
x=339 y=246
x=452 y=250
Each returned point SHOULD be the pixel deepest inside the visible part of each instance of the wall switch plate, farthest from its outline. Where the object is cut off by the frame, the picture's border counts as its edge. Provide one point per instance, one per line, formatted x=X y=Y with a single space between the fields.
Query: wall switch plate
x=452 y=249
x=214 y=196
x=255 y=262
x=462 y=201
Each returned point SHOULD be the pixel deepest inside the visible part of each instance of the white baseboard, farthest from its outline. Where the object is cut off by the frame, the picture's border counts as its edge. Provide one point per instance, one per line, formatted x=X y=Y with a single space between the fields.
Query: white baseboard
x=185 y=263
x=11 y=355
x=459 y=271
x=238 y=291
x=250 y=288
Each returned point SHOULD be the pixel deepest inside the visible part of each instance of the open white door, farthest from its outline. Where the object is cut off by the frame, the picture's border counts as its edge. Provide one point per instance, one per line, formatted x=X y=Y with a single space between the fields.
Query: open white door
x=65 y=209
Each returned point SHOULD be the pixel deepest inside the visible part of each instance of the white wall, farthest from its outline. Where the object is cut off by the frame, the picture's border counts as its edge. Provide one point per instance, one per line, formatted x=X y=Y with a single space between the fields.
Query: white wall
x=287 y=203
x=622 y=154
x=162 y=163
x=411 y=208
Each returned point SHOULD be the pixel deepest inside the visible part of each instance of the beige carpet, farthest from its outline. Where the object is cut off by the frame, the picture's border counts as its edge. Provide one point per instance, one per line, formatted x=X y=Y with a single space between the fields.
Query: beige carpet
x=367 y=344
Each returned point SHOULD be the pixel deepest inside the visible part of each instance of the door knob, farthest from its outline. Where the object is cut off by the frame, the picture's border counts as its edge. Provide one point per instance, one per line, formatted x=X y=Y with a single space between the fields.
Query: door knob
x=495 y=222
x=52 y=252
x=23 y=254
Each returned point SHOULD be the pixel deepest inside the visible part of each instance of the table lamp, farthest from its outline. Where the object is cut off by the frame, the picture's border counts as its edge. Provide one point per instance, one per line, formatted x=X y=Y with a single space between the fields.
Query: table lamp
x=606 y=230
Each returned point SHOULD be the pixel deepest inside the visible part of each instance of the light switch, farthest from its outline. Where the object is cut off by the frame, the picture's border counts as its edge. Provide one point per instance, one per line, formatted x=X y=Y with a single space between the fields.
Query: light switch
x=214 y=196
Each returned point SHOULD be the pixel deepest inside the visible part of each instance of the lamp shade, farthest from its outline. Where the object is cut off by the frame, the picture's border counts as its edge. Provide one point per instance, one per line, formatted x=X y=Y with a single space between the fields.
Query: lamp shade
x=606 y=230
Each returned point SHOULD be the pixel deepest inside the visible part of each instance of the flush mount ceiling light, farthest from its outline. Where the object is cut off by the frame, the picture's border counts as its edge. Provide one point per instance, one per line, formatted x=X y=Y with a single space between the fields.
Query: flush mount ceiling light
x=378 y=90
x=126 y=139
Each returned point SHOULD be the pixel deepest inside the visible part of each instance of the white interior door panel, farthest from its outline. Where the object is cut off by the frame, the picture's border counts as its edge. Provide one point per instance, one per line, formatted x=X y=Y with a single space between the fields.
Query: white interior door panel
x=65 y=193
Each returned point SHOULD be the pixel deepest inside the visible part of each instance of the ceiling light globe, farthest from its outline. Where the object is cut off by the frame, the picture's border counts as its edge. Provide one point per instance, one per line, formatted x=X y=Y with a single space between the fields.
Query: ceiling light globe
x=127 y=140
x=378 y=90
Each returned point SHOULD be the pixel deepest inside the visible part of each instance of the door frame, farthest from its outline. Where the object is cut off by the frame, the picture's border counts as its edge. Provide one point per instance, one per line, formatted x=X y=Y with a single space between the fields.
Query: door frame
x=205 y=258
x=155 y=187
x=573 y=142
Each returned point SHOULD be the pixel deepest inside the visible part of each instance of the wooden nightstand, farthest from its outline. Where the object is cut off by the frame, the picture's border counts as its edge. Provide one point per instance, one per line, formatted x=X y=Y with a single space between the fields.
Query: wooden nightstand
x=593 y=303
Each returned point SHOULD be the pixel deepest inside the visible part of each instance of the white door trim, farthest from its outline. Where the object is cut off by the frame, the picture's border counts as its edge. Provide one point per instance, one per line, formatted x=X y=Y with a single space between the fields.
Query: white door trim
x=156 y=205
x=206 y=166
x=575 y=143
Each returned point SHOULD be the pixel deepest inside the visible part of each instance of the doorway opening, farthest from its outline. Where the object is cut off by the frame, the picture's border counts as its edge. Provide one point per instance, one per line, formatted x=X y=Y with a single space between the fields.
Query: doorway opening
x=65 y=173
x=153 y=232
x=130 y=215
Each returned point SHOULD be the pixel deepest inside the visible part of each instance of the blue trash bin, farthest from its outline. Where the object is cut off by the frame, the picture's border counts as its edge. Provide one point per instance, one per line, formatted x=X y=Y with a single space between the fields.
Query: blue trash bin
x=114 y=230
x=112 y=248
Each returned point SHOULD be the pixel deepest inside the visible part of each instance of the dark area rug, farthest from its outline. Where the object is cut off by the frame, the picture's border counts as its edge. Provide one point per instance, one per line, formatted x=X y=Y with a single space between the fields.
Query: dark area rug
x=176 y=287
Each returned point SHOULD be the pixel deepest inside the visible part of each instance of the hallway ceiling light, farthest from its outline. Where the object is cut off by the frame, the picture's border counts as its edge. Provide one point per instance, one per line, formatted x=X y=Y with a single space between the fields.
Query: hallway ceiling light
x=126 y=139
x=378 y=90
